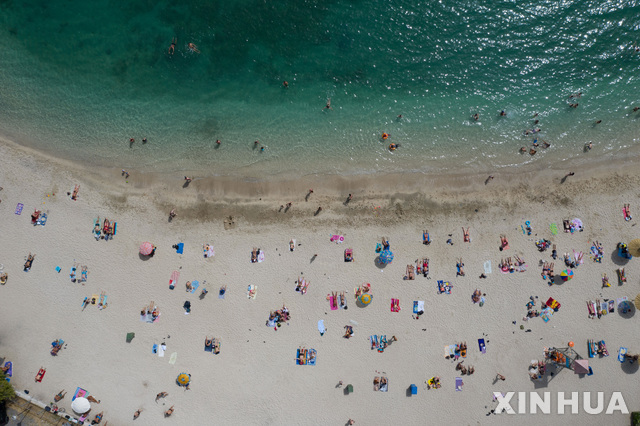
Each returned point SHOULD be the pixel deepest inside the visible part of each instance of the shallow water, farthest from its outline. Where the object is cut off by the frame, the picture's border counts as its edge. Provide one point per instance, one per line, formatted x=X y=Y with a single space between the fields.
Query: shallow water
x=79 y=79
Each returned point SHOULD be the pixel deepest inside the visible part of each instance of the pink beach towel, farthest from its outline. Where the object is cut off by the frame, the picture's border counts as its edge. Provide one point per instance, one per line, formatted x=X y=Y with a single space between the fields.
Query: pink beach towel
x=333 y=304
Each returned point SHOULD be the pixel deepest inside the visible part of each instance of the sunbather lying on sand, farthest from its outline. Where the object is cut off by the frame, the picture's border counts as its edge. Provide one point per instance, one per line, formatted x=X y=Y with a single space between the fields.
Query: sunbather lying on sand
x=465 y=235
x=161 y=395
x=188 y=286
x=169 y=412
x=605 y=280
x=34 y=216
x=29 y=262
x=504 y=243
x=460 y=267
x=349 y=331
x=425 y=237
x=216 y=346
x=385 y=243
x=254 y=255
x=477 y=294
x=3 y=278
x=59 y=396
x=409 y=275
x=292 y=245
x=343 y=301
x=376 y=383
x=74 y=196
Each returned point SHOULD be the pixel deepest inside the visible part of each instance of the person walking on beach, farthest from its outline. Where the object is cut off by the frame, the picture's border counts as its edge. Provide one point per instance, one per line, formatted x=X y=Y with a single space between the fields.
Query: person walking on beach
x=569 y=174
x=161 y=395
x=188 y=179
x=172 y=213
x=137 y=413
x=501 y=377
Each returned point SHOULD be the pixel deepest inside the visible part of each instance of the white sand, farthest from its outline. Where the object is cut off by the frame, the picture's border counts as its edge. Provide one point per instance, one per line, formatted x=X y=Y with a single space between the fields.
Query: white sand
x=255 y=379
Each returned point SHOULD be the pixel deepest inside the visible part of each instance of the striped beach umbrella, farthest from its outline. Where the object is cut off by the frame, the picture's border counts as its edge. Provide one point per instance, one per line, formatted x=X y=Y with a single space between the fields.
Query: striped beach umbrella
x=146 y=248
x=566 y=275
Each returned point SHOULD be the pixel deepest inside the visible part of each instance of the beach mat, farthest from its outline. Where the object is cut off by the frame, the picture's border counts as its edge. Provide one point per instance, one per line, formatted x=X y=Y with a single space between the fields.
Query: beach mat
x=80 y=393
x=487 y=267
x=260 y=256
x=194 y=285
x=482 y=346
x=459 y=384
x=175 y=275
x=554 y=229
x=161 y=349
x=321 y=327
x=173 y=358
x=418 y=305
x=19 y=208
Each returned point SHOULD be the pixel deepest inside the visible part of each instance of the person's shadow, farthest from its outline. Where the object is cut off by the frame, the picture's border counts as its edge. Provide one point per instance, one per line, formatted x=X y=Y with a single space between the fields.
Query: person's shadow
x=563 y=180
x=186 y=183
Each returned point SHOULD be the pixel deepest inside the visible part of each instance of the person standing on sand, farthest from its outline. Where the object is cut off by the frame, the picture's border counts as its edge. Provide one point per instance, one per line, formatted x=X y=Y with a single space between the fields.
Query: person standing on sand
x=172 y=213
x=569 y=174
x=188 y=179
x=501 y=377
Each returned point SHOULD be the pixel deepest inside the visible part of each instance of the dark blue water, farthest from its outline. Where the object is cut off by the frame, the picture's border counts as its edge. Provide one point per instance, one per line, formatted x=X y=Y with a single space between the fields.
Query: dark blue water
x=80 y=78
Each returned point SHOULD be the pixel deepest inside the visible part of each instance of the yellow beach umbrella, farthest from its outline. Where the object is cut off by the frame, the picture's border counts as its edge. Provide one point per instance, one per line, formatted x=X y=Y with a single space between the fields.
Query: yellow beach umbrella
x=365 y=299
x=183 y=379
x=637 y=301
x=634 y=247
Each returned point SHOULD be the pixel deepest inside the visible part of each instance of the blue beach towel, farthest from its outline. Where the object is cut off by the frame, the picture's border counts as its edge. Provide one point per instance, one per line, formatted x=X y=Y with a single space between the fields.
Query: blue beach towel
x=195 y=285
x=180 y=248
x=155 y=349
x=309 y=360
x=321 y=327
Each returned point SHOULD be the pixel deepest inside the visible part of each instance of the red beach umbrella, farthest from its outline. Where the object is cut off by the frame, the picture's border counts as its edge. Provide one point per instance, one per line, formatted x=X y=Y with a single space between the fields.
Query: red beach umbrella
x=146 y=248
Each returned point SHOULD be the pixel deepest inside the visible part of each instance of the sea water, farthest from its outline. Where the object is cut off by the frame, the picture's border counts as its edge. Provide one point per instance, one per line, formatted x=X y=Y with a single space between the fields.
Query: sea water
x=80 y=78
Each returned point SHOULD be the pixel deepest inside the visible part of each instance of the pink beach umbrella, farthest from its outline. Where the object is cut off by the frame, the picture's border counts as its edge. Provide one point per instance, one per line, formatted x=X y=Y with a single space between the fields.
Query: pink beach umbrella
x=146 y=248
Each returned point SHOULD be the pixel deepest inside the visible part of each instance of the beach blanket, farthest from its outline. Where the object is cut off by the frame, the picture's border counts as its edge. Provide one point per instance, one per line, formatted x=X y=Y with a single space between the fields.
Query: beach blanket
x=194 y=286
x=311 y=357
x=303 y=360
x=209 y=252
x=260 y=256
x=395 y=305
x=252 y=291
x=321 y=327
x=174 y=279
x=450 y=351
x=173 y=358
x=19 y=208
x=444 y=287
x=546 y=314
x=9 y=372
x=79 y=393
x=554 y=229
x=333 y=303
x=42 y=220
x=487 y=267
x=161 y=349
x=336 y=238
x=385 y=387
x=418 y=306
x=459 y=384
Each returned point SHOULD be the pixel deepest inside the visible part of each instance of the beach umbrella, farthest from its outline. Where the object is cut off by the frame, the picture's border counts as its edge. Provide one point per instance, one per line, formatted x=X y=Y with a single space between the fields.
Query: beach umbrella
x=386 y=257
x=626 y=308
x=634 y=247
x=566 y=275
x=581 y=366
x=637 y=301
x=183 y=379
x=80 y=405
x=365 y=299
x=146 y=248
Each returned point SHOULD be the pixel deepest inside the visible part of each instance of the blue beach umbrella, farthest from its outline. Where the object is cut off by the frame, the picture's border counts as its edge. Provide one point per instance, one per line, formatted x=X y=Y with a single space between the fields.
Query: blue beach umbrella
x=386 y=257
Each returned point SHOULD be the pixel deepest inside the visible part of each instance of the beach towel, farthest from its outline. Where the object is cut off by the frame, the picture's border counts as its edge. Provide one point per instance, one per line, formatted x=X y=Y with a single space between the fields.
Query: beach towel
x=321 y=327
x=174 y=279
x=42 y=220
x=333 y=303
x=395 y=302
x=154 y=350
x=9 y=372
x=487 y=267
x=311 y=357
x=444 y=287
x=161 y=350
x=459 y=384
x=194 y=285
x=336 y=238
x=546 y=314
x=208 y=348
x=302 y=361
x=385 y=387
x=180 y=248
x=252 y=291
x=482 y=346
x=208 y=252
x=19 y=208
x=622 y=353
x=173 y=358
x=418 y=306
x=554 y=229
x=260 y=256
x=79 y=393
x=450 y=351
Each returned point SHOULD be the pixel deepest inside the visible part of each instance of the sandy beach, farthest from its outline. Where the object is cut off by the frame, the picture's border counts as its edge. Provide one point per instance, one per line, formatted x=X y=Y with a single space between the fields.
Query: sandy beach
x=255 y=379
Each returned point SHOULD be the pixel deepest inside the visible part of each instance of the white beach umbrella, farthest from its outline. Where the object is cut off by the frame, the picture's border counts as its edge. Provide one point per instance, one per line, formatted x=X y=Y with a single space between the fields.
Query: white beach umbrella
x=81 y=405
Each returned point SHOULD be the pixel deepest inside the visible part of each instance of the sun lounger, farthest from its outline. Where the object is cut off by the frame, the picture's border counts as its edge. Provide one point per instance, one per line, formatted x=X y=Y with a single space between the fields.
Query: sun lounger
x=194 y=286
x=459 y=384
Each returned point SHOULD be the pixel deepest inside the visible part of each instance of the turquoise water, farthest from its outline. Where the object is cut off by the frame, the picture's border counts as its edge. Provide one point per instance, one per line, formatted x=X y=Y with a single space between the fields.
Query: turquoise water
x=80 y=78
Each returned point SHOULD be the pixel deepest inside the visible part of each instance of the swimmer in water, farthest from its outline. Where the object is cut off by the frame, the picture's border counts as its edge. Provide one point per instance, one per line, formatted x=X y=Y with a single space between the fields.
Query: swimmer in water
x=193 y=48
x=574 y=105
x=328 y=105
x=523 y=149
x=218 y=142
x=393 y=146
x=532 y=151
x=262 y=149
x=476 y=116
x=575 y=95
x=285 y=84
x=636 y=109
x=385 y=135
x=545 y=144
x=172 y=48
x=503 y=113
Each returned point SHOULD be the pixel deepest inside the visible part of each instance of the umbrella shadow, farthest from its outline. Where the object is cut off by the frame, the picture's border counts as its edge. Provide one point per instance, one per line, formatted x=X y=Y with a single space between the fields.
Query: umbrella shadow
x=143 y=257
x=629 y=368
x=359 y=304
x=379 y=263
x=620 y=261
x=627 y=313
